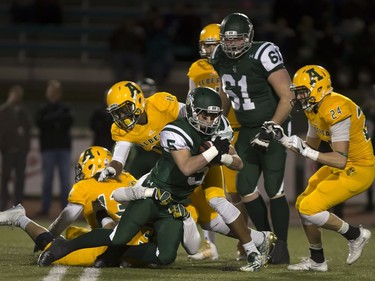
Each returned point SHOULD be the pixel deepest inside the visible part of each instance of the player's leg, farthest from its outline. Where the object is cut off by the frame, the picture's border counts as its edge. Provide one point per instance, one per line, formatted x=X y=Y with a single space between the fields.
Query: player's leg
x=247 y=180
x=322 y=194
x=202 y=213
x=237 y=224
x=273 y=163
x=137 y=214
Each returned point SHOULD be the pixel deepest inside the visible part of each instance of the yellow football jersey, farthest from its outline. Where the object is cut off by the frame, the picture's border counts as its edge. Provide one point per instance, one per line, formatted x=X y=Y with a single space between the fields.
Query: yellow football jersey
x=336 y=108
x=161 y=109
x=204 y=75
x=85 y=192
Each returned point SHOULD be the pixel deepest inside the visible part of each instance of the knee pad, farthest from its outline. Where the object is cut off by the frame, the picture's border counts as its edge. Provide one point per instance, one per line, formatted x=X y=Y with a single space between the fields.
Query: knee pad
x=216 y=225
x=227 y=211
x=318 y=219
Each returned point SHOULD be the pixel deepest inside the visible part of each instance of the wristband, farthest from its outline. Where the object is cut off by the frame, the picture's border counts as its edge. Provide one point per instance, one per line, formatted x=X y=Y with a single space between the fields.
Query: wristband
x=149 y=192
x=310 y=153
x=210 y=153
x=226 y=159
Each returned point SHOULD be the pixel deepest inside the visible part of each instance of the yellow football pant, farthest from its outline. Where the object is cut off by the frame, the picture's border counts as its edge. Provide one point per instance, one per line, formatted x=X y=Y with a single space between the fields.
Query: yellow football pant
x=329 y=187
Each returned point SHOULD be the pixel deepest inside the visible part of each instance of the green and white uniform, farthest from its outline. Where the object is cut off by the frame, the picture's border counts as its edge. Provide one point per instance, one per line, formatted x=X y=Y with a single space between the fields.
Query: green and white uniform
x=166 y=175
x=254 y=101
x=176 y=136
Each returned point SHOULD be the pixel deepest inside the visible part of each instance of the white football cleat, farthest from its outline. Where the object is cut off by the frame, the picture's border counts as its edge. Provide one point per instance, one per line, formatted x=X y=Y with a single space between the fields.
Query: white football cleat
x=254 y=262
x=10 y=217
x=309 y=265
x=209 y=251
x=356 y=246
x=267 y=245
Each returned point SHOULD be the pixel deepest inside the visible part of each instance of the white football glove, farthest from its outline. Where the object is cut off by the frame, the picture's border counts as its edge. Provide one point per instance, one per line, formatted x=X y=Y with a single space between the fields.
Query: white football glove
x=300 y=146
x=278 y=135
x=108 y=172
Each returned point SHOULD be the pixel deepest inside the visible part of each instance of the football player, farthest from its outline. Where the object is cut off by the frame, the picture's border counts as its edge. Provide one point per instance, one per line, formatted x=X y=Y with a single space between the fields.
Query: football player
x=85 y=193
x=181 y=169
x=139 y=121
x=349 y=169
x=97 y=203
x=202 y=74
x=255 y=83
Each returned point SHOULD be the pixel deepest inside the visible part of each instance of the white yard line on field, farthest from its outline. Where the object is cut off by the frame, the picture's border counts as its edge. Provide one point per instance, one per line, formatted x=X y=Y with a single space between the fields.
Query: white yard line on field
x=56 y=273
x=90 y=274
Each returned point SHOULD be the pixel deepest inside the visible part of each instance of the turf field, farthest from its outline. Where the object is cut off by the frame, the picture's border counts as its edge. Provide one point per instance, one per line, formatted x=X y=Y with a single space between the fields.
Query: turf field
x=17 y=262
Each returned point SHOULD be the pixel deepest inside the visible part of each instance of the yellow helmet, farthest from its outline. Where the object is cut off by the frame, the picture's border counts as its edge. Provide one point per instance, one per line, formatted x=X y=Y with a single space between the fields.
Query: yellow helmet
x=91 y=161
x=126 y=102
x=210 y=36
x=310 y=85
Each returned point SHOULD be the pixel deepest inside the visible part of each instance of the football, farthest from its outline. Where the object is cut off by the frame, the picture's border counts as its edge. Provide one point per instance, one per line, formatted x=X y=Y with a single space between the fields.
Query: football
x=204 y=146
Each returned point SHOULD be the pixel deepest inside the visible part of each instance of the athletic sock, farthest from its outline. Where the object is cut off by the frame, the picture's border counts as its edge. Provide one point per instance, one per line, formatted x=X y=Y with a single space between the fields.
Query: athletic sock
x=258 y=213
x=352 y=233
x=317 y=255
x=280 y=217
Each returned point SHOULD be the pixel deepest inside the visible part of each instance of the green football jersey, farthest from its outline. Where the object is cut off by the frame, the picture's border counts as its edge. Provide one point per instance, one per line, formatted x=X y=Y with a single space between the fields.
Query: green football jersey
x=245 y=81
x=177 y=135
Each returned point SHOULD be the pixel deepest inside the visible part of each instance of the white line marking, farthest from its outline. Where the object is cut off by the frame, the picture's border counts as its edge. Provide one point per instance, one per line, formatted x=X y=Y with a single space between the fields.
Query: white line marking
x=90 y=274
x=56 y=273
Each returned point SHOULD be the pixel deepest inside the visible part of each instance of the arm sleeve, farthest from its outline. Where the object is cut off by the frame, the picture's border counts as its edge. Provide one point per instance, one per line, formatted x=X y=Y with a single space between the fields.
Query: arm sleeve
x=311 y=132
x=182 y=110
x=67 y=216
x=341 y=131
x=192 y=85
x=121 y=151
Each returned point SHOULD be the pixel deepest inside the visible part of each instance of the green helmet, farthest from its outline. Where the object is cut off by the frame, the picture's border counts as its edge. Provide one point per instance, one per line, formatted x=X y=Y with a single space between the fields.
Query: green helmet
x=203 y=110
x=236 y=35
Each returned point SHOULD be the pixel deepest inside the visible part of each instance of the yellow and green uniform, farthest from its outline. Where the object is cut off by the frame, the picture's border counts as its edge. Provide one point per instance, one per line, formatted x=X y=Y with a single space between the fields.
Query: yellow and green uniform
x=330 y=186
x=84 y=193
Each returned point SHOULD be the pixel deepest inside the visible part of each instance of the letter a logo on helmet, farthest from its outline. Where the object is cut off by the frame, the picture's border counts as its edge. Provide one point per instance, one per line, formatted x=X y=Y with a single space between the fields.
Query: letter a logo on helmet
x=87 y=154
x=313 y=76
x=133 y=89
x=310 y=85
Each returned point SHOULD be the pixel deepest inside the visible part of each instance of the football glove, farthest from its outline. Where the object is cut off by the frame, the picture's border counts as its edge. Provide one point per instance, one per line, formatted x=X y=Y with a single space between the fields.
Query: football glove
x=300 y=146
x=278 y=135
x=179 y=211
x=222 y=145
x=164 y=197
x=261 y=141
x=108 y=172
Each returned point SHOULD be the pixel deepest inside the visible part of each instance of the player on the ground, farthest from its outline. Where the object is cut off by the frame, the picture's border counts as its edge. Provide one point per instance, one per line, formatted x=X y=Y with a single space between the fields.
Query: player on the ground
x=139 y=121
x=180 y=170
x=95 y=201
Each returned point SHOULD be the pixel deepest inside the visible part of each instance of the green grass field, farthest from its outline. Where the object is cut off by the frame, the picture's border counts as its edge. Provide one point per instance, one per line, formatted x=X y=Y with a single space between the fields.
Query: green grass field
x=17 y=262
